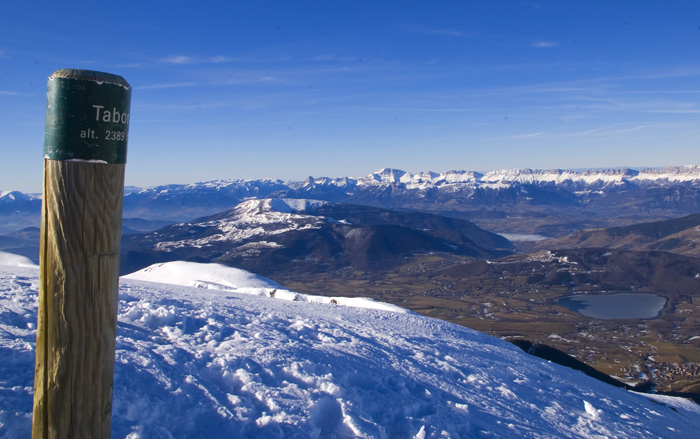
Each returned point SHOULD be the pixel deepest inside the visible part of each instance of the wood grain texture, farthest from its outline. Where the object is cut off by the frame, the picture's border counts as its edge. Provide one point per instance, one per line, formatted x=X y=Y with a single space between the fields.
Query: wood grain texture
x=78 y=297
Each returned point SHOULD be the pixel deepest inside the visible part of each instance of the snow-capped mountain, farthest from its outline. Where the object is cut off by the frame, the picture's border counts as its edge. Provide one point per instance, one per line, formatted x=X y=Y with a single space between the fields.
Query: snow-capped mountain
x=14 y=197
x=470 y=179
x=262 y=234
x=508 y=177
x=18 y=210
x=206 y=363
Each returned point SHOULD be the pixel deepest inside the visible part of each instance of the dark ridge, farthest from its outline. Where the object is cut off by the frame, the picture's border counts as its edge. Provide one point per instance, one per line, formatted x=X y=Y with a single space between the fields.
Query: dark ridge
x=657 y=229
x=556 y=356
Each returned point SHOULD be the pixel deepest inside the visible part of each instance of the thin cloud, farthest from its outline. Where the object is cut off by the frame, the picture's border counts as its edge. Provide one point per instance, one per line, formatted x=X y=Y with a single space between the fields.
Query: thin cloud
x=610 y=103
x=528 y=135
x=630 y=130
x=131 y=65
x=167 y=85
x=187 y=106
x=220 y=59
x=178 y=59
x=544 y=44
x=446 y=32
x=9 y=93
x=185 y=59
x=449 y=32
x=334 y=58
x=250 y=79
x=610 y=131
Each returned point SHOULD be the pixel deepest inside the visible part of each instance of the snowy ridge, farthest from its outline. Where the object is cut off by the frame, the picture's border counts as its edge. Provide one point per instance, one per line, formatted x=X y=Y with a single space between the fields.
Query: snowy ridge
x=505 y=178
x=224 y=191
x=224 y=278
x=471 y=179
x=197 y=363
x=508 y=177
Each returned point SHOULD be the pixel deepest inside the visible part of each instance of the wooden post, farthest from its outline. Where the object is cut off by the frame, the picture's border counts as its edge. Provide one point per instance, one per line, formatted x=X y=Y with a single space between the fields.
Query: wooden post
x=87 y=120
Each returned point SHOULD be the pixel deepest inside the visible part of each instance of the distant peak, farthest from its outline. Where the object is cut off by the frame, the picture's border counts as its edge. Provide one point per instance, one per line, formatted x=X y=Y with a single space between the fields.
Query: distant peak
x=10 y=196
x=390 y=175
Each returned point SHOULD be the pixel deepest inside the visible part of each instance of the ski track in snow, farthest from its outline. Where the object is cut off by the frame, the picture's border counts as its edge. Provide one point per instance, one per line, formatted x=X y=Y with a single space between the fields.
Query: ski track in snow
x=202 y=363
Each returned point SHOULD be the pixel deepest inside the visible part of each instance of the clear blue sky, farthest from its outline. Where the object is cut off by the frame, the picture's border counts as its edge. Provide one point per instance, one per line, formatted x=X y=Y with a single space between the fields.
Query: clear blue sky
x=288 y=89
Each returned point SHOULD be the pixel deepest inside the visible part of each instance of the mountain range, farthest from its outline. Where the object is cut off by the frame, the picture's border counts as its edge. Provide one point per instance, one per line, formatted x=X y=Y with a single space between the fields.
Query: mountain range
x=518 y=201
x=547 y=202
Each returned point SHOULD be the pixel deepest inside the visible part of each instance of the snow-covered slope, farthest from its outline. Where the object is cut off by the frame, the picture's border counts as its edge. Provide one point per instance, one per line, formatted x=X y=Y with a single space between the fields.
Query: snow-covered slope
x=221 y=277
x=214 y=276
x=202 y=363
x=15 y=260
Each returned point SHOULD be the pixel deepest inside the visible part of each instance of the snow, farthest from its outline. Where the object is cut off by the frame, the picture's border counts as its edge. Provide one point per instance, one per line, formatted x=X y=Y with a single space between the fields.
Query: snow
x=506 y=178
x=207 y=363
x=581 y=182
x=202 y=275
x=253 y=218
x=15 y=260
x=9 y=194
x=291 y=205
x=221 y=277
x=9 y=197
x=587 y=181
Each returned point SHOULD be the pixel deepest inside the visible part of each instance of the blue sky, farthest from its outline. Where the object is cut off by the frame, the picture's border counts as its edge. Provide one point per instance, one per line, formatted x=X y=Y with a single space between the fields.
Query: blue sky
x=289 y=89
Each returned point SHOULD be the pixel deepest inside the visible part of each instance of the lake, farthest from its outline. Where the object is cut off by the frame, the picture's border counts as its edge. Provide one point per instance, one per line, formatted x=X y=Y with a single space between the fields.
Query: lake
x=615 y=306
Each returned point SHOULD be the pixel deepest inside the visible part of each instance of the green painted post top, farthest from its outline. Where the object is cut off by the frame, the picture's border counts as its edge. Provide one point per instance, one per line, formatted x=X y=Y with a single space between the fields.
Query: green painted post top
x=87 y=117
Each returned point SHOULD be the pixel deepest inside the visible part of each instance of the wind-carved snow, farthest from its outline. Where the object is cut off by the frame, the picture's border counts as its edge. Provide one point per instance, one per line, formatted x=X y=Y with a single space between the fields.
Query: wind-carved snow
x=200 y=363
x=254 y=218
